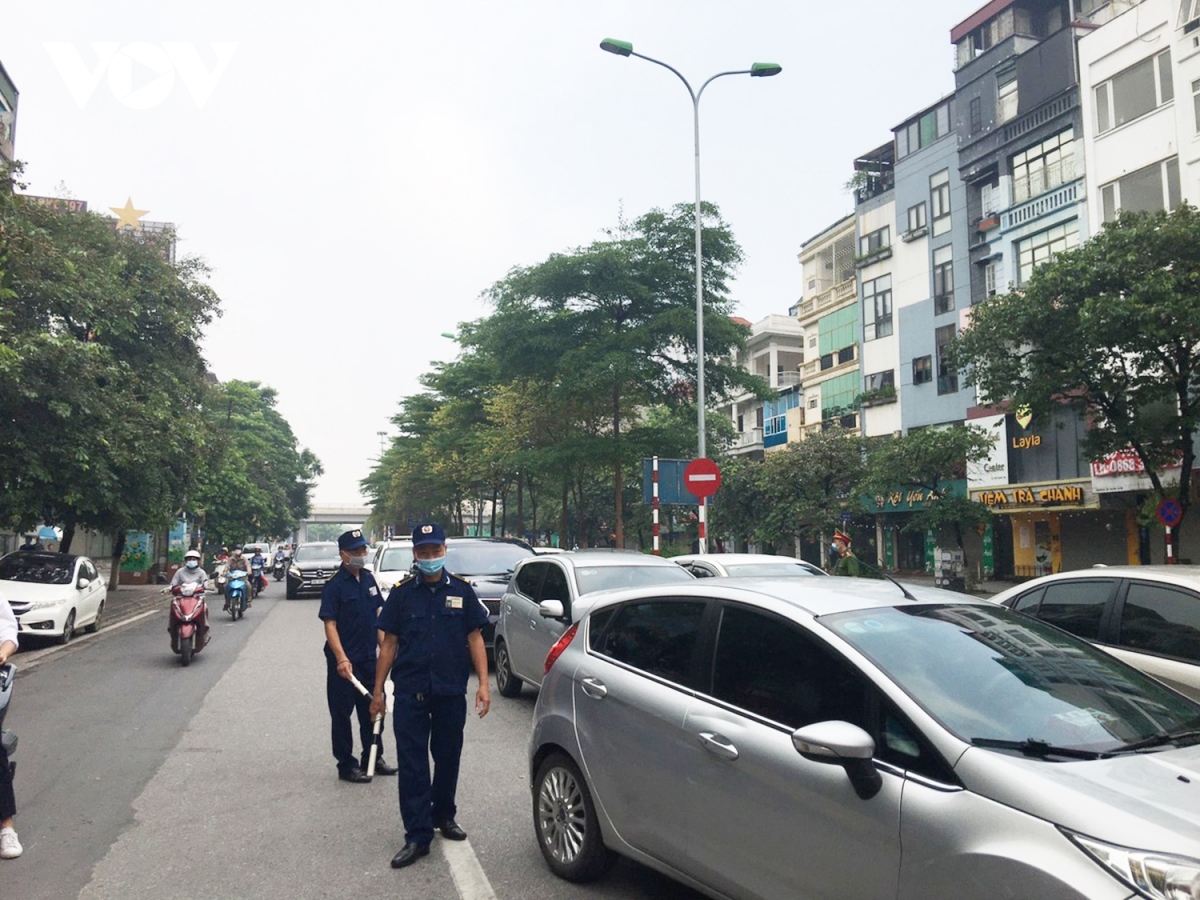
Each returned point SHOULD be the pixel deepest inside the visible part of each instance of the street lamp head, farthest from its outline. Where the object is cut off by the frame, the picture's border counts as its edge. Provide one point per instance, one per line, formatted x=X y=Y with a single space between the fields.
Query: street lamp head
x=765 y=70
x=621 y=48
x=447 y=334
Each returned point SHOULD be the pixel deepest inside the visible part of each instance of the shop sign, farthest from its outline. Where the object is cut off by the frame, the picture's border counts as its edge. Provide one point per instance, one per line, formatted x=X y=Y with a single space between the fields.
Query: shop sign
x=1122 y=470
x=1033 y=496
x=992 y=469
x=911 y=500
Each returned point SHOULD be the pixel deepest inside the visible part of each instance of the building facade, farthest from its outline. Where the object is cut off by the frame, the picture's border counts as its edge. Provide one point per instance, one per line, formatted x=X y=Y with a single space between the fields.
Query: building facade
x=8 y=116
x=774 y=352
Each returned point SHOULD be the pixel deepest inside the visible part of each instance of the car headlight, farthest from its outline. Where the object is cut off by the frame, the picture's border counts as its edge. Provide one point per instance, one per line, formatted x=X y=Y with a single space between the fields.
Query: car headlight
x=46 y=604
x=295 y=573
x=1161 y=876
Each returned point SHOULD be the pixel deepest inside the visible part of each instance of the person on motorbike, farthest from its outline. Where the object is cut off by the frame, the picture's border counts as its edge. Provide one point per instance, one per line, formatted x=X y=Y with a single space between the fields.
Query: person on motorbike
x=237 y=561
x=190 y=573
x=261 y=561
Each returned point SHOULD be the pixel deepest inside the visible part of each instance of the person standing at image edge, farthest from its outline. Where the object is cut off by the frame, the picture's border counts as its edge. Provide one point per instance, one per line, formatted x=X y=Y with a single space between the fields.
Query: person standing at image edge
x=10 y=846
x=350 y=603
x=430 y=638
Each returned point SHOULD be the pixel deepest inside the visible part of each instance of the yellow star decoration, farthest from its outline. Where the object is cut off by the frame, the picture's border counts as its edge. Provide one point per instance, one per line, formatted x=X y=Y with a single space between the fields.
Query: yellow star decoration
x=127 y=215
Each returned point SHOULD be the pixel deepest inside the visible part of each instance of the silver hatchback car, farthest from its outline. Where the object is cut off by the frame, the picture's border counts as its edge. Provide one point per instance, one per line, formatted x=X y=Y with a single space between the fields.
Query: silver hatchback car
x=846 y=738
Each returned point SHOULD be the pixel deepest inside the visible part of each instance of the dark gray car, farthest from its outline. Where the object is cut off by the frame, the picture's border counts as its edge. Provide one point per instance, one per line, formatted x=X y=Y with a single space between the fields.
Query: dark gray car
x=313 y=564
x=839 y=738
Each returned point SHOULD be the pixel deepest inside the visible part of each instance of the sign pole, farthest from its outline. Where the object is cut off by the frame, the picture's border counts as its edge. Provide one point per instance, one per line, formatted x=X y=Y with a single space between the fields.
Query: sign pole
x=654 y=470
x=703 y=542
x=1170 y=548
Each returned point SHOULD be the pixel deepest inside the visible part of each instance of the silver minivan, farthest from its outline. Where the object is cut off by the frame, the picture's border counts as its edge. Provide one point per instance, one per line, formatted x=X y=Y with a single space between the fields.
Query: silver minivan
x=848 y=738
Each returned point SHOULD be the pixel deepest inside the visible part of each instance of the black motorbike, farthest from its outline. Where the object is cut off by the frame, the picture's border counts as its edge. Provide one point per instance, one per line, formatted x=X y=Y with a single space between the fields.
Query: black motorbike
x=279 y=569
x=8 y=739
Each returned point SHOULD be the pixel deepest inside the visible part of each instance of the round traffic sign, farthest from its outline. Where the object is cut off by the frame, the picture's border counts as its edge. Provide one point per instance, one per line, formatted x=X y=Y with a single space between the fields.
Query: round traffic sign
x=1169 y=512
x=702 y=477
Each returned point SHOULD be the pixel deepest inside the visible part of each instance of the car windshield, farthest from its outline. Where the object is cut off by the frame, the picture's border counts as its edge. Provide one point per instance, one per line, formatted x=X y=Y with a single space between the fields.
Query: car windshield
x=36 y=569
x=470 y=558
x=314 y=552
x=603 y=578
x=988 y=675
x=770 y=570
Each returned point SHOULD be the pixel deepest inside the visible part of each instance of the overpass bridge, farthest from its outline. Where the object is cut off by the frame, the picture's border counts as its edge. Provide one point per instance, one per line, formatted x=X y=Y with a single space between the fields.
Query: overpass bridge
x=347 y=514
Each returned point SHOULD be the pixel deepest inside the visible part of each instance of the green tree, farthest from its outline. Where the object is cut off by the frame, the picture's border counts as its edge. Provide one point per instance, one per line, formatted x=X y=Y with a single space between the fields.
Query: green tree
x=928 y=460
x=253 y=479
x=100 y=370
x=1112 y=329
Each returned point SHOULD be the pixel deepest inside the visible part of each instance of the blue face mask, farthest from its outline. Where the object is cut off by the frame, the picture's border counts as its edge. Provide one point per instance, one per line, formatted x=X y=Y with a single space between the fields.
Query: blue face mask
x=193 y=564
x=431 y=566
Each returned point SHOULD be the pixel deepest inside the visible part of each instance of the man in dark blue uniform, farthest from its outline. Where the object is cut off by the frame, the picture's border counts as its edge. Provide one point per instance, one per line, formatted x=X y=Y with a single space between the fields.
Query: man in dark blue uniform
x=429 y=637
x=350 y=605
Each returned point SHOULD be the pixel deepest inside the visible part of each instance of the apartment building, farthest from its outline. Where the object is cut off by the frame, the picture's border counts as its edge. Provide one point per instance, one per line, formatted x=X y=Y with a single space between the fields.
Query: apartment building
x=774 y=352
x=8 y=116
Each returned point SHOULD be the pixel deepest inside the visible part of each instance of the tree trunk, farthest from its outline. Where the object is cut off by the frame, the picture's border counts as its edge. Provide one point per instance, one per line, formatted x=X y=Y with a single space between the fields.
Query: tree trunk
x=563 y=540
x=521 y=503
x=494 y=495
x=618 y=484
x=114 y=576
x=68 y=537
x=533 y=509
x=581 y=537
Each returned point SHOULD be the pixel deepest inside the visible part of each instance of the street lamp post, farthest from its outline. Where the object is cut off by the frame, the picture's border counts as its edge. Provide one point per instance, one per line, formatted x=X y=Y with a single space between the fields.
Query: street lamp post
x=757 y=70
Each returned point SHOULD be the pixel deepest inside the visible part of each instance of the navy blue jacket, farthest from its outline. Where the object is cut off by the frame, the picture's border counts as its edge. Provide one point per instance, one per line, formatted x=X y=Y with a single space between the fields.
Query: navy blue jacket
x=354 y=605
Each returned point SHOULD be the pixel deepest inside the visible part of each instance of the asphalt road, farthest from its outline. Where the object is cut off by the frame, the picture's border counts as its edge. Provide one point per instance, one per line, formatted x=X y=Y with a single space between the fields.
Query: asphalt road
x=137 y=778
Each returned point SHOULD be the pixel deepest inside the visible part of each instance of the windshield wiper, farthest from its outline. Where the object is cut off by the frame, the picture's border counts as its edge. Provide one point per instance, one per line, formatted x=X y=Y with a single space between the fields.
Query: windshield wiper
x=1158 y=740
x=1036 y=748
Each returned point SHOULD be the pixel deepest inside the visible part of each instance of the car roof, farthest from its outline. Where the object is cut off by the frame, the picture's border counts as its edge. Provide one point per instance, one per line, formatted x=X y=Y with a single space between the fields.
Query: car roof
x=600 y=557
x=1187 y=576
x=737 y=558
x=816 y=596
x=45 y=556
x=457 y=539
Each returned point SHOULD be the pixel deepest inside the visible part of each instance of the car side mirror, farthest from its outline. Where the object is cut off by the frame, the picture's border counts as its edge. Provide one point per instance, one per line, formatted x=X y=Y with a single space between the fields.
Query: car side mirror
x=846 y=745
x=82 y=582
x=551 y=609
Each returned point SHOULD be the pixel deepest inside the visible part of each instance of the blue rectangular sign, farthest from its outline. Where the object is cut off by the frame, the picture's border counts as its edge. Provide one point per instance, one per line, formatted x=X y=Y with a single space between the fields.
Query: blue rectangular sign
x=671 y=488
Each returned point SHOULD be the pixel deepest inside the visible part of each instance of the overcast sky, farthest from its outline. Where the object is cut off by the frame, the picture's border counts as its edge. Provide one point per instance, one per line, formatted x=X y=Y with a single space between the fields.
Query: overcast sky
x=358 y=173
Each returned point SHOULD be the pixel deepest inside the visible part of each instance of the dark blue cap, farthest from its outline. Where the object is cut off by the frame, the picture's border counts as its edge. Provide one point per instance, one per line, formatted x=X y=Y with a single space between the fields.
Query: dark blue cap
x=428 y=534
x=352 y=540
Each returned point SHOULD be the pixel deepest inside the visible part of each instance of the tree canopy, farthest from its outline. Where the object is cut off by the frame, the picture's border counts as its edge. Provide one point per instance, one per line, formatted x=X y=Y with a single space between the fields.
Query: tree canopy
x=1111 y=328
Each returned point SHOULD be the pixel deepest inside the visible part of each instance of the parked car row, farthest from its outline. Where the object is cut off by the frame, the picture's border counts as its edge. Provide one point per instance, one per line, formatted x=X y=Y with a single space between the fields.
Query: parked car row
x=52 y=594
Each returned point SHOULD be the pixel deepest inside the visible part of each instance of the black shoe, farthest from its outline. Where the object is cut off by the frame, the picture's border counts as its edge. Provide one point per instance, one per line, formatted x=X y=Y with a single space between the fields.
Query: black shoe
x=354 y=774
x=382 y=768
x=409 y=854
x=452 y=831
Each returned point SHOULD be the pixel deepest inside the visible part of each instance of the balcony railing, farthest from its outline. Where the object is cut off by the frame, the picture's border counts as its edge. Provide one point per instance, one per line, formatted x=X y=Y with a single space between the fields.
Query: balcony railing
x=1041 y=205
x=837 y=295
x=750 y=439
x=787 y=379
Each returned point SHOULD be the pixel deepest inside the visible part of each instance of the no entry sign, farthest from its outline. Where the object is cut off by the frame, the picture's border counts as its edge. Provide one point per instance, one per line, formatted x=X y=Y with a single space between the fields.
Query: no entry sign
x=702 y=477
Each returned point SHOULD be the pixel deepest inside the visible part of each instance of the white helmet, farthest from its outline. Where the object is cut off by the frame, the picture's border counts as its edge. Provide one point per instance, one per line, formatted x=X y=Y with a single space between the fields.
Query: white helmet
x=192 y=554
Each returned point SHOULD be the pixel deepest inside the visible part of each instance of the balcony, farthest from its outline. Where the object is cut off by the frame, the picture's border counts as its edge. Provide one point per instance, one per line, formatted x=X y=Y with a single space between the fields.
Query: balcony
x=1042 y=205
x=748 y=441
x=838 y=295
x=787 y=379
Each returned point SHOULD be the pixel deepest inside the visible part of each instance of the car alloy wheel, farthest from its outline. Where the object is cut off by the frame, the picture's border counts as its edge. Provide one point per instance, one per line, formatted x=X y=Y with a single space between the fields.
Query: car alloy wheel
x=508 y=684
x=68 y=631
x=95 y=626
x=565 y=820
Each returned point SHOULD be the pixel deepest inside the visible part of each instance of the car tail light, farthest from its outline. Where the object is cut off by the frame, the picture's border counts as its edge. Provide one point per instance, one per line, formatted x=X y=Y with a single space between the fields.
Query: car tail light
x=559 y=646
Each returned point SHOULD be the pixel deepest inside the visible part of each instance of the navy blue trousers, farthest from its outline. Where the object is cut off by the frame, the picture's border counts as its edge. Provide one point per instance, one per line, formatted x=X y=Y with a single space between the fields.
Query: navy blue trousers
x=344 y=699
x=425 y=726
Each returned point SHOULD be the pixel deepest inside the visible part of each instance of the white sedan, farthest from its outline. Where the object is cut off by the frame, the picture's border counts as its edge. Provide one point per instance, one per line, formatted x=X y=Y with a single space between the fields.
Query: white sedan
x=52 y=594
x=757 y=565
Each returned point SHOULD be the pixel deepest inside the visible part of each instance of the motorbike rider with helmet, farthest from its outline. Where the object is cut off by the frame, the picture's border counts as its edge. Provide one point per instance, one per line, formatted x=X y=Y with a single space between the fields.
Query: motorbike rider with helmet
x=261 y=561
x=237 y=561
x=190 y=573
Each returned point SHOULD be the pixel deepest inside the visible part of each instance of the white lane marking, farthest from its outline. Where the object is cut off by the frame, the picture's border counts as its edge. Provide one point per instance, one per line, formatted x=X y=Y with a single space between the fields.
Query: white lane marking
x=469 y=879
x=27 y=661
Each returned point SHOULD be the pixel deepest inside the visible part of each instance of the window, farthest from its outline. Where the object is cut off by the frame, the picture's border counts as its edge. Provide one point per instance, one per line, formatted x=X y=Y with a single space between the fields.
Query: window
x=1006 y=98
x=1044 y=166
x=870 y=244
x=770 y=668
x=529 y=578
x=656 y=636
x=1196 y=103
x=1161 y=619
x=943 y=280
x=1076 y=606
x=812 y=341
x=922 y=370
x=1142 y=87
x=555 y=586
x=845 y=355
x=812 y=401
x=939 y=201
x=987 y=198
x=826 y=361
x=877 y=306
x=880 y=380
x=923 y=131
x=916 y=214
x=1147 y=190
x=975 y=115
x=989 y=279
x=947 y=378
x=1189 y=12
x=1035 y=250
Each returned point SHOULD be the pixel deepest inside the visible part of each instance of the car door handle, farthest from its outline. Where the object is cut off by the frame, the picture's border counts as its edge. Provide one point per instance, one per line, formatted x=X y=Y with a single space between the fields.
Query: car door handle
x=715 y=743
x=594 y=688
